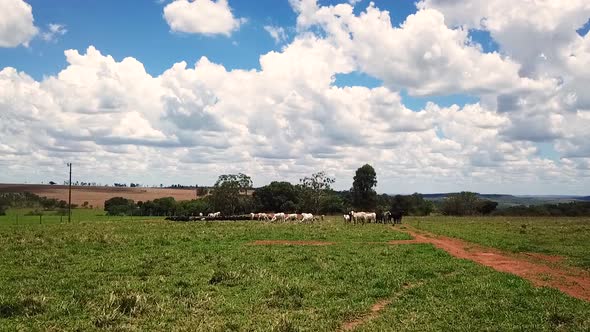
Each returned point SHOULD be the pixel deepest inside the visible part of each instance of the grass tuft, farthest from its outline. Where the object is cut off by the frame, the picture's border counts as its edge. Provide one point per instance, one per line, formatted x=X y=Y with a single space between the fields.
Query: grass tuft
x=228 y=278
x=286 y=297
x=284 y=325
x=128 y=304
x=29 y=306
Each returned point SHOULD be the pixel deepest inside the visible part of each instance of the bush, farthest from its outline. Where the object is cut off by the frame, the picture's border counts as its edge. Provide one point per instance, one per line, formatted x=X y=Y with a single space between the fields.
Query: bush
x=35 y=212
x=118 y=206
x=466 y=204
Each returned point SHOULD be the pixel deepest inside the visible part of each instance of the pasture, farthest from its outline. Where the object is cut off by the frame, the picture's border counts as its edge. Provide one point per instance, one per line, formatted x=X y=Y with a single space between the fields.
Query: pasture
x=123 y=274
x=566 y=237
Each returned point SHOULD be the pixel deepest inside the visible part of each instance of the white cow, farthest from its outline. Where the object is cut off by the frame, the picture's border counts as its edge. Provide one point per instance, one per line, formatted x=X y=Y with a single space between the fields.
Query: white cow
x=263 y=216
x=278 y=217
x=292 y=216
x=371 y=217
x=346 y=218
x=214 y=215
x=358 y=217
x=307 y=217
x=363 y=217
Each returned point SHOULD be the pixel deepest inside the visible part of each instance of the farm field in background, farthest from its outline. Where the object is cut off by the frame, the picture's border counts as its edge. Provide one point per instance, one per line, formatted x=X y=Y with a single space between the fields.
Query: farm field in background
x=568 y=237
x=96 y=196
x=144 y=274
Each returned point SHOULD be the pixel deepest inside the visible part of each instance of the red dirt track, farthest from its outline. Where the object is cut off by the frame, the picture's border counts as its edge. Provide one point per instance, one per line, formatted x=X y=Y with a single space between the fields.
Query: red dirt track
x=540 y=269
x=290 y=243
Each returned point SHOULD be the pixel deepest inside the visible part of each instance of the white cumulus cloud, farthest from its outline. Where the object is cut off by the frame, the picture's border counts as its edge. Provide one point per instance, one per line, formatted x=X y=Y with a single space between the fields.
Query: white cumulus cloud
x=288 y=119
x=208 y=17
x=16 y=23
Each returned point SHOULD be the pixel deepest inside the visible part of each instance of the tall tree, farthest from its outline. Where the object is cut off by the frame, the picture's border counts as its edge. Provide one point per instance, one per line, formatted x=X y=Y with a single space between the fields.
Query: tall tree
x=227 y=192
x=460 y=204
x=364 y=197
x=314 y=189
x=277 y=196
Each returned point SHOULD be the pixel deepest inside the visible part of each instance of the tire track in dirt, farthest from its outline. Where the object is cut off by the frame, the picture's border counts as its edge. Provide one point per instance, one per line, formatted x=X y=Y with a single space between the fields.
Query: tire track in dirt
x=376 y=309
x=290 y=243
x=543 y=272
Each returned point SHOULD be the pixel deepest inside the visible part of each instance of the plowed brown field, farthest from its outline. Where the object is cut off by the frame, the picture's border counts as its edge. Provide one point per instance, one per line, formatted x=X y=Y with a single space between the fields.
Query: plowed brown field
x=96 y=196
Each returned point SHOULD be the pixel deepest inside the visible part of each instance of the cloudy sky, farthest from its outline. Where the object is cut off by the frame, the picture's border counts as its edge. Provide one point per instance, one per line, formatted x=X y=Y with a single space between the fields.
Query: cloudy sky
x=438 y=95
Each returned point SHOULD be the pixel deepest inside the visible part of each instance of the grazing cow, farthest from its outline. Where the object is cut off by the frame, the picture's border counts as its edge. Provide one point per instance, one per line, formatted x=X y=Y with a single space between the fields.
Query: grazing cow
x=252 y=216
x=397 y=215
x=346 y=218
x=307 y=217
x=371 y=217
x=263 y=216
x=292 y=216
x=278 y=217
x=380 y=217
x=215 y=215
x=387 y=217
x=357 y=217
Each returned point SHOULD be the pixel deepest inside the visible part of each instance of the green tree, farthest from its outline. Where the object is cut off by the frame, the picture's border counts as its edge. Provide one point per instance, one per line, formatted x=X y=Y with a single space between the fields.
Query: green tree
x=118 y=206
x=486 y=207
x=461 y=204
x=332 y=203
x=165 y=206
x=313 y=191
x=227 y=192
x=277 y=196
x=193 y=207
x=364 y=196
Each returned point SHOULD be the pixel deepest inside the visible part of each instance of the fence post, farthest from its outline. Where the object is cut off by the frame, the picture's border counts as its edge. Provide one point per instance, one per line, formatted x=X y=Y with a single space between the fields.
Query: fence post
x=40 y=216
x=17 y=218
x=61 y=219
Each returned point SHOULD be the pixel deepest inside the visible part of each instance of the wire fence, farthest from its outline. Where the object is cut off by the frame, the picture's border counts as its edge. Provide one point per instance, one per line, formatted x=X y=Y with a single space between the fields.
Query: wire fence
x=25 y=218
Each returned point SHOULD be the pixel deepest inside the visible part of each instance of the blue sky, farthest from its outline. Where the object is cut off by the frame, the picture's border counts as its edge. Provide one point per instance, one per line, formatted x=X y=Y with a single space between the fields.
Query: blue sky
x=136 y=28
x=522 y=105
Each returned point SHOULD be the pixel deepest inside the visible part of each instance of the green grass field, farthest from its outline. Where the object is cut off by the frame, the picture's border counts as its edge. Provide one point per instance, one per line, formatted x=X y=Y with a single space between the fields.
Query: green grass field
x=568 y=237
x=150 y=275
x=22 y=216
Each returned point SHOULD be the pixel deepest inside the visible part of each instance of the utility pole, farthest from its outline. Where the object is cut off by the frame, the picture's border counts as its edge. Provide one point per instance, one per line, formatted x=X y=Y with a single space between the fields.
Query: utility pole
x=70 y=195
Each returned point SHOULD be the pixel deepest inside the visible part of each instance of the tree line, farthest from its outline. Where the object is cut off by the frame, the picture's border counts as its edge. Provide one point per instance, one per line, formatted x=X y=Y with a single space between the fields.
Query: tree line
x=23 y=200
x=314 y=193
x=233 y=194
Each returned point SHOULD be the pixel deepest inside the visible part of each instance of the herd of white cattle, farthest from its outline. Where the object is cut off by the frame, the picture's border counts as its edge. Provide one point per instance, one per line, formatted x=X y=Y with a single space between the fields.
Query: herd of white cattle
x=303 y=217
x=352 y=217
x=360 y=217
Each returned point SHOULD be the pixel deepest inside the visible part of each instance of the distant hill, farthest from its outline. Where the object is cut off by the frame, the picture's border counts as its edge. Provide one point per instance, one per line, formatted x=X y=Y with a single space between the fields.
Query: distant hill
x=506 y=200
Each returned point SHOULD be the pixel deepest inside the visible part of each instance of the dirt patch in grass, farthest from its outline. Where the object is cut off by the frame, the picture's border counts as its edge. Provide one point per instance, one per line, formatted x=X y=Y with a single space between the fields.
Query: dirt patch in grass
x=538 y=268
x=290 y=243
